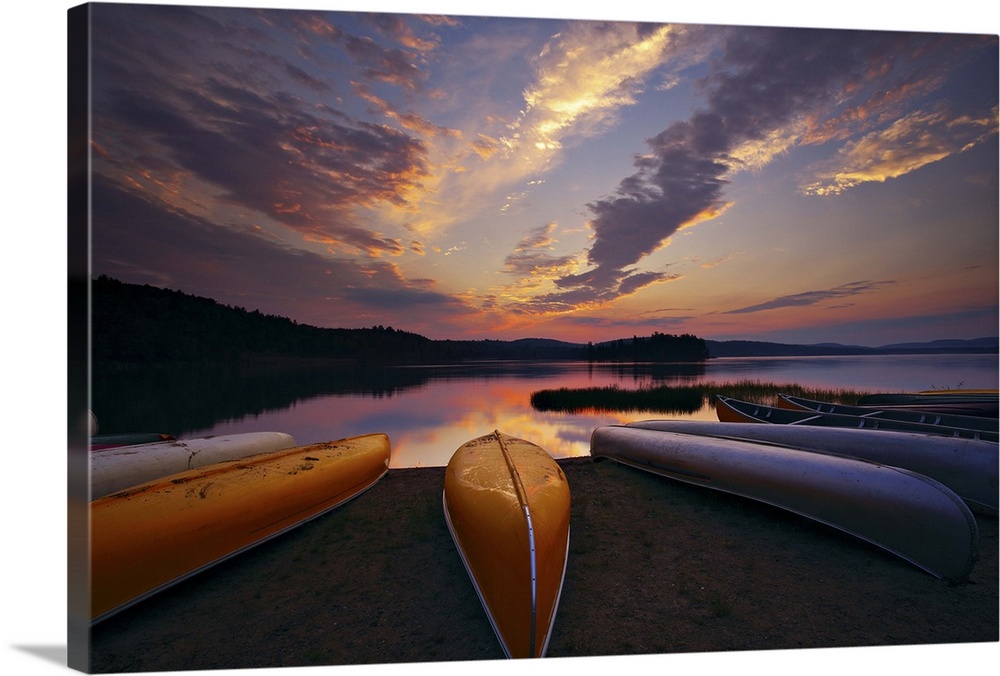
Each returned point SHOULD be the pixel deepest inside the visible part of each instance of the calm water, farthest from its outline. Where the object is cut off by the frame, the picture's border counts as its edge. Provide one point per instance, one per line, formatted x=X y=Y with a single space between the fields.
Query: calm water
x=428 y=412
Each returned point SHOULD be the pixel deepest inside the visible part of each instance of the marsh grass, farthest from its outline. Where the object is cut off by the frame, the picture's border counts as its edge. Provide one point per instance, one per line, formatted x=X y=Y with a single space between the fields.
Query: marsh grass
x=681 y=398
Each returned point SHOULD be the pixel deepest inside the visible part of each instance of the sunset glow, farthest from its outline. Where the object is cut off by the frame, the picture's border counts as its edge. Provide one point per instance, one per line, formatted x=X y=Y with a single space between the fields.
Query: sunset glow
x=502 y=178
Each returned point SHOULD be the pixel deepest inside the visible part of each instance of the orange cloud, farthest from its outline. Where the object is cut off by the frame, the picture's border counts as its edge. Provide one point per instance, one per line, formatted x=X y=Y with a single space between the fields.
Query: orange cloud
x=908 y=144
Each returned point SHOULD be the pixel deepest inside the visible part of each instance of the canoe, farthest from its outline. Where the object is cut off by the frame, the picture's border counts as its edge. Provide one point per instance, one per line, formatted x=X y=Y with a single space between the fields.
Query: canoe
x=889 y=413
x=154 y=535
x=734 y=410
x=905 y=513
x=968 y=467
x=116 y=468
x=506 y=503
x=957 y=402
x=102 y=441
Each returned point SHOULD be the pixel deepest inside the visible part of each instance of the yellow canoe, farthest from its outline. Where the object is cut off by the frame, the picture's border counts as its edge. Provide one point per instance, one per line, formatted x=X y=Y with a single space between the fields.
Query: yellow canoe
x=153 y=535
x=507 y=504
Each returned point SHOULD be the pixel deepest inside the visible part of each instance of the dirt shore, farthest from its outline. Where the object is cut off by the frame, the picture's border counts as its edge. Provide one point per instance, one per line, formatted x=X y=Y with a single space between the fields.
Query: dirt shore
x=655 y=566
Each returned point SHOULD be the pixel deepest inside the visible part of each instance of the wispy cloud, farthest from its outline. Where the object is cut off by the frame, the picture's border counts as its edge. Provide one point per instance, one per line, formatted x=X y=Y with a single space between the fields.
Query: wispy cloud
x=906 y=145
x=814 y=297
x=255 y=140
x=531 y=258
x=584 y=76
x=244 y=268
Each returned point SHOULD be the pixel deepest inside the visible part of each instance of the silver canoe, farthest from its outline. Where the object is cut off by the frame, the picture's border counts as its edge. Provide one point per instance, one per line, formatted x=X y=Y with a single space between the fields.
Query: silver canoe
x=114 y=469
x=903 y=512
x=968 y=467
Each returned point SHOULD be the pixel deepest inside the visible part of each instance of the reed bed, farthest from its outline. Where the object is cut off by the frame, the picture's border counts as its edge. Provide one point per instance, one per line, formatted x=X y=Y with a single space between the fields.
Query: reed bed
x=681 y=398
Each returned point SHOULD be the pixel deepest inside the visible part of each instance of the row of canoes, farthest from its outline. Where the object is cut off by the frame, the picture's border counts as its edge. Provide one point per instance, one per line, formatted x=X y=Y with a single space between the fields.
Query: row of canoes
x=903 y=479
x=161 y=512
x=902 y=484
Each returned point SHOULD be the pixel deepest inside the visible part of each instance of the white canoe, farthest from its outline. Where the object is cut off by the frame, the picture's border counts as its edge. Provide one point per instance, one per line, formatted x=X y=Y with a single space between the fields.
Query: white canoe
x=969 y=467
x=903 y=512
x=118 y=468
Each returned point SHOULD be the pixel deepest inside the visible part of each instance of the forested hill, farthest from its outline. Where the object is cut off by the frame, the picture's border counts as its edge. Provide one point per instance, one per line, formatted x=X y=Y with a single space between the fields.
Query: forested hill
x=140 y=324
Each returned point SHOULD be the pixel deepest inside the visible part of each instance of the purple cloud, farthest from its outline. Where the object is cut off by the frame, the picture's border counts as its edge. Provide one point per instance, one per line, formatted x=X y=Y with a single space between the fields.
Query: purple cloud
x=765 y=80
x=813 y=297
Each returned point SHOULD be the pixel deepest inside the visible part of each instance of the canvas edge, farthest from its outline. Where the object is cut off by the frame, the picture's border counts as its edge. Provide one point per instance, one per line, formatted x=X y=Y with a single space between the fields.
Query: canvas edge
x=78 y=335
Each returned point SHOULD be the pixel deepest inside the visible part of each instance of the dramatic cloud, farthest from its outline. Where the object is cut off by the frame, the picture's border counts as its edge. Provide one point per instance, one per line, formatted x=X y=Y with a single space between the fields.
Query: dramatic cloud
x=767 y=91
x=429 y=172
x=244 y=268
x=585 y=75
x=255 y=139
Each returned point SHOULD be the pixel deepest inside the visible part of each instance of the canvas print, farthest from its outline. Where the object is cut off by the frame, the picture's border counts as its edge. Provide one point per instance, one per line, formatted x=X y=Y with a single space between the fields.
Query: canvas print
x=418 y=338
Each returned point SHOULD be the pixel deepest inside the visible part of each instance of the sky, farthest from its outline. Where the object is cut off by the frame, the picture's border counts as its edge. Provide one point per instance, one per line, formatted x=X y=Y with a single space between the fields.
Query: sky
x=34 y=256
x=499 y=177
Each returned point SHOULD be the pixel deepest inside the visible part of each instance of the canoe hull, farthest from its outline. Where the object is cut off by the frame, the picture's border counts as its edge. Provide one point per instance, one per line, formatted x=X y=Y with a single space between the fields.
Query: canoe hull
x=115 y=469
x=156 y=534
x=968 y=467
x=900 y=511
x=506 y=503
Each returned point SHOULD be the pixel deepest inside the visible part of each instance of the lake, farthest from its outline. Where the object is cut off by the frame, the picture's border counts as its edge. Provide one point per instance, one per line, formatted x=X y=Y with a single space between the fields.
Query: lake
x=429 y=411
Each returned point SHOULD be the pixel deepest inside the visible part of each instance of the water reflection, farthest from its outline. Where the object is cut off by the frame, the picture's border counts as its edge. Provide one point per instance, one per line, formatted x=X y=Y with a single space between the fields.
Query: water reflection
x=429 y=411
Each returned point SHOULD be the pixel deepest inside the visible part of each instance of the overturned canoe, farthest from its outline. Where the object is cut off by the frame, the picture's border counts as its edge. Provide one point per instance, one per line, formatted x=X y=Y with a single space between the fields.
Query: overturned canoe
x=116 y=468
x=968 y=467
x=971 y=422
x=154 y=535
x=734 y=410
x=903 y=512
x=506 y=503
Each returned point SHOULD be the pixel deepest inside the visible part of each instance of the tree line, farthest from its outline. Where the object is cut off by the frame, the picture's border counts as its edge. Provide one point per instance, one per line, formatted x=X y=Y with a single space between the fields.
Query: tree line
x=133 y=324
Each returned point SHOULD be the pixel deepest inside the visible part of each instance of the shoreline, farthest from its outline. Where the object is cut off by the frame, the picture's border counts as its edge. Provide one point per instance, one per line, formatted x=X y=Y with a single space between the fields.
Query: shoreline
x=655 y=566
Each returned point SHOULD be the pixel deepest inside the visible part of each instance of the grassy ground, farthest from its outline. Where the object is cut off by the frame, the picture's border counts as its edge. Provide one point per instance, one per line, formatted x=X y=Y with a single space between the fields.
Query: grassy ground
x=655 y=566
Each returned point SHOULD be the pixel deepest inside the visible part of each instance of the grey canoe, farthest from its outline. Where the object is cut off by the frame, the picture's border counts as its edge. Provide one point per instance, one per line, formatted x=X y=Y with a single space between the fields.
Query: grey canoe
x=968 y=467
x=115 y=469
x=905 y=513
